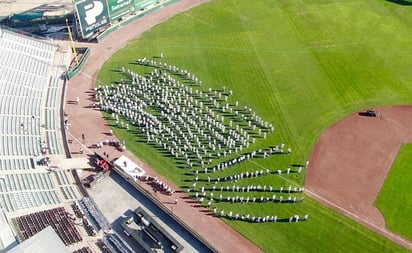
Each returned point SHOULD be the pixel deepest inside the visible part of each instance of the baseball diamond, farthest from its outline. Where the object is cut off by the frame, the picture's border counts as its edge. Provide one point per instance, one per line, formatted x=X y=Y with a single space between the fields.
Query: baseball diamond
x=217 y=126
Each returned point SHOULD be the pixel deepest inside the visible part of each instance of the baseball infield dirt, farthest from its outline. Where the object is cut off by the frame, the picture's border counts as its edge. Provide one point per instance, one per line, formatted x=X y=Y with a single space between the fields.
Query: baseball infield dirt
x=351 y=160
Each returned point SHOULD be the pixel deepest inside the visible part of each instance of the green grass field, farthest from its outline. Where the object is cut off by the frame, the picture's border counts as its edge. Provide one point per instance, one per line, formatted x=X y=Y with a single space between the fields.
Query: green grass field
x=302 y=66
x=395 y=199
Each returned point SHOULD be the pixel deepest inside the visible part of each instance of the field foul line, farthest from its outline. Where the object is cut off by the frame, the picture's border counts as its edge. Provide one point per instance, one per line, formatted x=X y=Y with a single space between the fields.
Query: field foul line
x=80 y=142
x=284 y=178
x=91 y=78
x=357 y=217
x=199 y=20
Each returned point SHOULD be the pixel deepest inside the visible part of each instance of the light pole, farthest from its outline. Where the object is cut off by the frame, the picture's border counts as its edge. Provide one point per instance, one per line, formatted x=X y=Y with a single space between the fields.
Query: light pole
x=71 y=41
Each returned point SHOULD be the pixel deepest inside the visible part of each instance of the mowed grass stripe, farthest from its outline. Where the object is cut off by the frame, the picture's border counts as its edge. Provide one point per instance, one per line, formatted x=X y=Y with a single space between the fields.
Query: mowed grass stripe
x=287 y=61
x=395 y=198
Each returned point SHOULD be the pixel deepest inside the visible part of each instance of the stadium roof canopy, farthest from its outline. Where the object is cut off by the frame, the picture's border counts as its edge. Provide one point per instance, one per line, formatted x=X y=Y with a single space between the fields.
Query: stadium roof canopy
x=45 y=241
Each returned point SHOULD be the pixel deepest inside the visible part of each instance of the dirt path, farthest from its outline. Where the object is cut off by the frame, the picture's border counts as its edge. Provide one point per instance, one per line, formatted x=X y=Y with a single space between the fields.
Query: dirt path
x=89 y=122
x=351 y=160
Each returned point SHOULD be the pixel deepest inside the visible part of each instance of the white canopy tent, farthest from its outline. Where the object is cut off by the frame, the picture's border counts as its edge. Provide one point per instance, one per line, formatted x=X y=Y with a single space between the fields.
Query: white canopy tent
x=129 y=167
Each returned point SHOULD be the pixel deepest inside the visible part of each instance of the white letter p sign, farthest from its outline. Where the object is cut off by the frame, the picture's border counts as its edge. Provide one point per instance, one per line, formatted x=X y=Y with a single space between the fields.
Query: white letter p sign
x=93 y=10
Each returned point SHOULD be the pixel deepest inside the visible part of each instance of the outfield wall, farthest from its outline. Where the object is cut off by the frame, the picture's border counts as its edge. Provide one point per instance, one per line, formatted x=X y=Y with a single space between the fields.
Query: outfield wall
x=134 y=18
x=98 y=18
x=72 y=72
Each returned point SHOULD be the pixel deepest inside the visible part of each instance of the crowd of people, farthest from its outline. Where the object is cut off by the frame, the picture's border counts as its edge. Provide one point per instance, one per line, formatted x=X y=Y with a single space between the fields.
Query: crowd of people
x=157 y=184
x=255 y=218
x=195 y=125
x=251 y=188
x=200 y=127
x=241 y=175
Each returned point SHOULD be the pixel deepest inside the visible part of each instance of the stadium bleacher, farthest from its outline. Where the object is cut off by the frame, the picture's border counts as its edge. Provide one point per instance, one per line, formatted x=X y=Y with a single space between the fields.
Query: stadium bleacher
x=90 y=209
x=58 y=218
x=116 y=244
x=30 y=100
x=15 y=164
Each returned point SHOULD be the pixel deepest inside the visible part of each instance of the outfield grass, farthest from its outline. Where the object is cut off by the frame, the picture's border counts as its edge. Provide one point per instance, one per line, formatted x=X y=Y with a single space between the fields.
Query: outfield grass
x=395 y=199
x=301 y=65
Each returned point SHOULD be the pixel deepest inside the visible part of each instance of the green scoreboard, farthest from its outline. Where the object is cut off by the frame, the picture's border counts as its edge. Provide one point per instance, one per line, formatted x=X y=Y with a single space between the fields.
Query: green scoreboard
x=120 y=8
x=92 y=15
x=142 y=4
x=96 y=14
